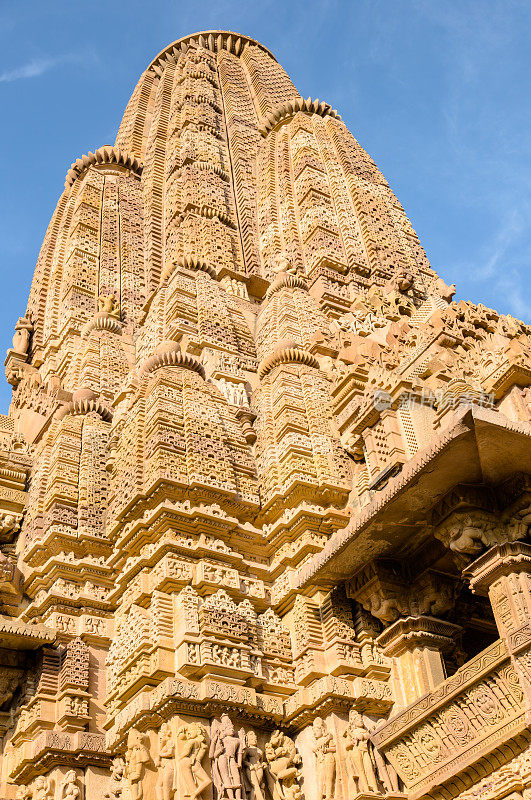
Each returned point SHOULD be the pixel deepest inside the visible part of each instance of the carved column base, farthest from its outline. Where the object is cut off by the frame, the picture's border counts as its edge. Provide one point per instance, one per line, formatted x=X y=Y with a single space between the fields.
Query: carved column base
x=416 y=645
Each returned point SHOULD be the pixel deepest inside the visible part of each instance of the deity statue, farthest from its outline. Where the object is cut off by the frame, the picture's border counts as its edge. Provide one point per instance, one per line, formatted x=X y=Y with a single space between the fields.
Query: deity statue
x=21 y=337
x=165 y=762
x=358 y=758
x=69 y=787
x=136 y=756
x=283 y=762
x=41 y=789
x=226 y=752
x=109 y=304
x=281 y=263
x=114 y=792
x=191 y=751
x=23 y=793
x=254 y=768
x=325 y=759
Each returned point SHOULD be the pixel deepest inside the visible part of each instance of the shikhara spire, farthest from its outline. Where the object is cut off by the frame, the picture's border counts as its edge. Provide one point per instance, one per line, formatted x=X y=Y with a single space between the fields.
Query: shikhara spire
x=252 y=453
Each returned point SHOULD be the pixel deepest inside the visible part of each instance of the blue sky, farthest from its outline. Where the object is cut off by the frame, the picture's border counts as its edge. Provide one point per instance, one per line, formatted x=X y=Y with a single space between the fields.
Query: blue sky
x=437 y=91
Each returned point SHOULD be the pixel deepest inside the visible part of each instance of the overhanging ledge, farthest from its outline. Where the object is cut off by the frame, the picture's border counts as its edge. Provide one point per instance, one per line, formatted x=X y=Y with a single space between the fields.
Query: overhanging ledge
x=480 y=446
x=17 y=635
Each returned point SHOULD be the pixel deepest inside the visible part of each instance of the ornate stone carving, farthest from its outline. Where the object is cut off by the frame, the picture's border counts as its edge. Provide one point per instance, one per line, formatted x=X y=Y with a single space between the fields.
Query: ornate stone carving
x=166 y=764
x=109 y=305
x=116 y=780
x=41 y=789
x=358 y=757
x=467 y=533
x=226 y=753
x=21 y=338
x=192 y=748
x=69 y=786
x=325 y=759
x=284 y=763
x=254 y=766
x=238 y=389
x=136 y=757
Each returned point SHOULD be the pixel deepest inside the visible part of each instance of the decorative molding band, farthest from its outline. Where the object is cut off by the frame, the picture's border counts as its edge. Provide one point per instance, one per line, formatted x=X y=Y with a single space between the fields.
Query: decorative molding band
x=171 y=357
x=103 y=155
x=189 y=262
x=215 y=41
x=286 y=281
x=80 y=406
x=288 y=109
x=102 y=321
x=287 y=355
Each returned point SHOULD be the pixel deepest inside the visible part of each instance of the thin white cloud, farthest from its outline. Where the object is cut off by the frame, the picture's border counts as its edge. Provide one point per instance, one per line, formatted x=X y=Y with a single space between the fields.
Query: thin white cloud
x=32 y=69
x=39 y=66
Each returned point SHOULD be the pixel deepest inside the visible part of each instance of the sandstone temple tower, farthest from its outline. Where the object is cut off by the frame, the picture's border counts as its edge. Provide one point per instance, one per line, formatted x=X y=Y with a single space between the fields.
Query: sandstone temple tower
x=265 y=489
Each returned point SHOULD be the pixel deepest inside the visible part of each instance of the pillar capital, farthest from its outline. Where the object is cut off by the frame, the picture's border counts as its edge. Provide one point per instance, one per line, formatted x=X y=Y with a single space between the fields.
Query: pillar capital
x=418 y=632
x=416 y=645
x=503 y=573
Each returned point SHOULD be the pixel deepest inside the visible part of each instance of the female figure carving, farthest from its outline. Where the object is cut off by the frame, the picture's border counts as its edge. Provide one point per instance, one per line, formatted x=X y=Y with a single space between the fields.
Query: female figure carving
x=165 y=785
x=136 y=756
x=325 y=758
x=192 y=750
x=254 y=766
x=358 y=758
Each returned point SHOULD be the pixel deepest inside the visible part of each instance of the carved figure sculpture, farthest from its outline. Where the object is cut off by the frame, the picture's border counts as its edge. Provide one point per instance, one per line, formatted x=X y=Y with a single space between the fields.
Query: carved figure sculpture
x=108 y=304
x=41 y=789
x=226 y=752
x=281 y=264
x=21 y=337
x=165 y=786
x=325 y=759
x=114 y=792
x=192 y=748
x=23 y=793
x=283 y=762
x=69 y=787
x=136 y=756
x=359 y=764
x=254 y=768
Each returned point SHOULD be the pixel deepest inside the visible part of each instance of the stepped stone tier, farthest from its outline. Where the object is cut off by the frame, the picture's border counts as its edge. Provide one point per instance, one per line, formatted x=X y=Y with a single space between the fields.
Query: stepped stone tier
x=265 y=488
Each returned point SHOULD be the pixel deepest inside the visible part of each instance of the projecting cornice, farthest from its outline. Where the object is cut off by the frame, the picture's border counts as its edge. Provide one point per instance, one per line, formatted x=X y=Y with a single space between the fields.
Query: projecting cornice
x=103 y=155
x=462 y=454
x=288 y=109
x=211 y=40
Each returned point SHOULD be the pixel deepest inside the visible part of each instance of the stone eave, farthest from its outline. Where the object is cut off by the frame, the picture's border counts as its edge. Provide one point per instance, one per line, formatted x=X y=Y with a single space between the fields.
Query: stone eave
x=17 y=635
x=479 y=446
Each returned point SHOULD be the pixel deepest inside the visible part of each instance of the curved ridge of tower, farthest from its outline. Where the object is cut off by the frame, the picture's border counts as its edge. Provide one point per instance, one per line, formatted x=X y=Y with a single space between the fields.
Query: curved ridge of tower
x=259 y=472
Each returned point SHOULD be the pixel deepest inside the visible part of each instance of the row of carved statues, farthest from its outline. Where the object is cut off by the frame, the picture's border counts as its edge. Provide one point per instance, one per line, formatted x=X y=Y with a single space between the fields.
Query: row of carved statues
x=241 y=770
x=43 y=789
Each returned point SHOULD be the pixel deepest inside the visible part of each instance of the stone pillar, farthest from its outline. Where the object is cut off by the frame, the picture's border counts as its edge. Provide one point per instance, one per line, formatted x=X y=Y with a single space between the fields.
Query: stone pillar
x=416 y=645
x=503 y=574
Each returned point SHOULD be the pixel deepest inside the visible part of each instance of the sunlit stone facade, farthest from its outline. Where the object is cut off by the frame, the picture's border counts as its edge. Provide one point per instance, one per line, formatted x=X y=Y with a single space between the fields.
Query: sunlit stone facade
x=264 y=498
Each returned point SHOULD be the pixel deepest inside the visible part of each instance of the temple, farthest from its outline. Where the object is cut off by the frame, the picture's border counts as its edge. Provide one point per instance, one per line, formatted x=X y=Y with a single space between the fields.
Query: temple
x=265 y=488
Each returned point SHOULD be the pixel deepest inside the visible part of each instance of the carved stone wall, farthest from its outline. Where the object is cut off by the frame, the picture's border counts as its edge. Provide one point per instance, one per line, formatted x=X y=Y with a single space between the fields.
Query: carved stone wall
x=234 y=361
